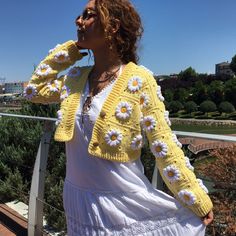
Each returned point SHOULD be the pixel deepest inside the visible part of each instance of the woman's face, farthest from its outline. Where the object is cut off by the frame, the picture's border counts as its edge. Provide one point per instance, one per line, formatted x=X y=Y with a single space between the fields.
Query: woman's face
x=90 y=33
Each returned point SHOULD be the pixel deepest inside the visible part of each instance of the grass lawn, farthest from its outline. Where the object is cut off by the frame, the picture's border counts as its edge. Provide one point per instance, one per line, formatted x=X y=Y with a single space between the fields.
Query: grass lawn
x=204 y=129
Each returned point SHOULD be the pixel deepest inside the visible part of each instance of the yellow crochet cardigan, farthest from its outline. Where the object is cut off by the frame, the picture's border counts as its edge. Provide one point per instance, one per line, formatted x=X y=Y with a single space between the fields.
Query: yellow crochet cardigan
x=134 y=105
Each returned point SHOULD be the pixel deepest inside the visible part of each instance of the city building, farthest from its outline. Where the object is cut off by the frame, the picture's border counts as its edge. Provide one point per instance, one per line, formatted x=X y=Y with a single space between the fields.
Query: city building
x=223 y=68
x=15 y=87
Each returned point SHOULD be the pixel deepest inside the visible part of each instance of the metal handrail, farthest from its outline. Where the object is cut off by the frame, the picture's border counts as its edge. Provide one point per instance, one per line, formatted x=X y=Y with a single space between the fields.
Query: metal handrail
x=35 y=213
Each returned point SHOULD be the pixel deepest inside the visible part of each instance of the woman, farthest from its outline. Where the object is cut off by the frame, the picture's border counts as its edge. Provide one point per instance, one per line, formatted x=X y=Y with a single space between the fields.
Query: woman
x=106 y=109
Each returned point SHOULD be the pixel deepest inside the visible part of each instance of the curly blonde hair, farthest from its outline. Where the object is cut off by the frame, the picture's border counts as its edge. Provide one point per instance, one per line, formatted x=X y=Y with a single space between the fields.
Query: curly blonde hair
x=125 y=40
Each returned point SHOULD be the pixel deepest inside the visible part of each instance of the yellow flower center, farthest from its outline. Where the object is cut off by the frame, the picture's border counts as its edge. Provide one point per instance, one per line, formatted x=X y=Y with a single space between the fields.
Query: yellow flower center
x=61 y=57
x=29 y=91
x=158 y=149
x=135 y=83
x=186 y=197
x=113 y=137
x=53 y=85
x=171 y=173
x=43 y=70
x=148 y=123
x=123 y=109
x=138 y=142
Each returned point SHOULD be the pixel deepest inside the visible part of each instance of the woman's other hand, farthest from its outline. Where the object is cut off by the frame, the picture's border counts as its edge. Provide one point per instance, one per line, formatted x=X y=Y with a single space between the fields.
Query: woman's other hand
x=208 y=218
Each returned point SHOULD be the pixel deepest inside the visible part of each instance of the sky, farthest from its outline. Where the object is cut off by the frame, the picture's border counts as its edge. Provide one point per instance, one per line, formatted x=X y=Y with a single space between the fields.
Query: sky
x=177 y=34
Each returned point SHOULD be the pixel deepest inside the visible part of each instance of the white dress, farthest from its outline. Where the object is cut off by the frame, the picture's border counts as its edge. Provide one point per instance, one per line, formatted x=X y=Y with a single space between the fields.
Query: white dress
x=106 y=198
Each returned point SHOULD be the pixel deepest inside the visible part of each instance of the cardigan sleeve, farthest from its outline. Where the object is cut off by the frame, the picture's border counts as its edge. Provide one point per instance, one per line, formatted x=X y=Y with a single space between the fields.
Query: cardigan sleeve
x=172 y=163
x=44 y=85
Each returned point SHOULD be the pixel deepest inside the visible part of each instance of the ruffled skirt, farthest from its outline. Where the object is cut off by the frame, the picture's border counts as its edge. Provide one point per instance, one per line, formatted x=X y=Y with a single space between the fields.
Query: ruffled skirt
x=145 y=213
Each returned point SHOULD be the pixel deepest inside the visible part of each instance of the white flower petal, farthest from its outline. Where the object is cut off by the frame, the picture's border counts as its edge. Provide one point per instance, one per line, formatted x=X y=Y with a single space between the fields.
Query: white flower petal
x=145 y=68
x=202 y=185
x=166 y=115
x=148 y=123
x=113 y=137
x=123 y=110
x=59 y=117
x=137 y=142
x=171 y=173
x=159 y=94
x=159 y=148
x=65 y=91
x=43 y=70
x=187 y=197
x=53 y=86
x=61 y=57
x=134 y=84
x=188 y=164
x=30 y=91
x=175 y=139
x=53 y=49
x=144 y=100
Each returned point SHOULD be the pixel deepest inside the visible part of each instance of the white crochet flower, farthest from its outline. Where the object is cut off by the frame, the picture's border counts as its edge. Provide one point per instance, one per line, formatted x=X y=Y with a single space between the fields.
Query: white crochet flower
x=187 y=197
x=202 y=185
x=188 y=164
x=53 y=86
x=113 y=137
x=145 y=68
x=53 y=49
x=159 y=94
x=134 y=84
x=175 y=139
x=30 y=91
x=144 y=100
x=171 y=173
x=159 y=148
x=137 y=142
x=123 y=110
x=65 y=91
x=166 y=115
x=59 y=117
x=43 y=70
x=74 y=72
x=61 y=57
x=148 y=123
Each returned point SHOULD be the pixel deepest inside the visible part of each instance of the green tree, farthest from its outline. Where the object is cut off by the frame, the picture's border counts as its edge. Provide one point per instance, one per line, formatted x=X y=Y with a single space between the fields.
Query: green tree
x=230 y=91
x=226 y=107
x=190 y=107
x=216 y=91
x=168 y=94
x=187 y=73
x=207 y=106
x=175 y=106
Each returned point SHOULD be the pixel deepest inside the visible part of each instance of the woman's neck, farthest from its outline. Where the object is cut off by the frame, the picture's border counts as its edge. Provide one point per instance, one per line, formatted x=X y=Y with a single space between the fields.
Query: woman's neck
x=105 y=60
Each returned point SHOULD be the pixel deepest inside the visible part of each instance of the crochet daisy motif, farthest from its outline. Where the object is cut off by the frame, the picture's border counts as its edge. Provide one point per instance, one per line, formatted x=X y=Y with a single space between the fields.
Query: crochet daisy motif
x=113 y=137
x=64 y=92
x=53 y=49
x=134 y=84
x=202 y=185
x=179 y=144
x=166 y=116
x=171 y=173
x=30 y=91
x=43 y=70
x=188 y=164
x=148 y=123
x=59 y=117
x=61 y=57
x=53 y=86
x=144 y=100
x=123 y=110
x=73 y=72
x=137 y=142
x=159 y=149
x=187 y=197
x=159 y=94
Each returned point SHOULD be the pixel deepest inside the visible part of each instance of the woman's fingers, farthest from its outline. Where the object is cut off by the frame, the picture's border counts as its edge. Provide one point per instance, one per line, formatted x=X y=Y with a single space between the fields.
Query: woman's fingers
x=208 y=218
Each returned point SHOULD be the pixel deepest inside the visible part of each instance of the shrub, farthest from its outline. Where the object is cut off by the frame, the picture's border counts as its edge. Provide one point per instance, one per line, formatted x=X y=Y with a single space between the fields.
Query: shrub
x=207 y=106
x=190 y=107
x=175 y=106
x=226 y=107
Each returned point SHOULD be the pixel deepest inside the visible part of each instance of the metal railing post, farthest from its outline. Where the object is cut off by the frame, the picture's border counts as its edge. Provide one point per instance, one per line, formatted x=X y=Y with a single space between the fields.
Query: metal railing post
x=35 y=214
